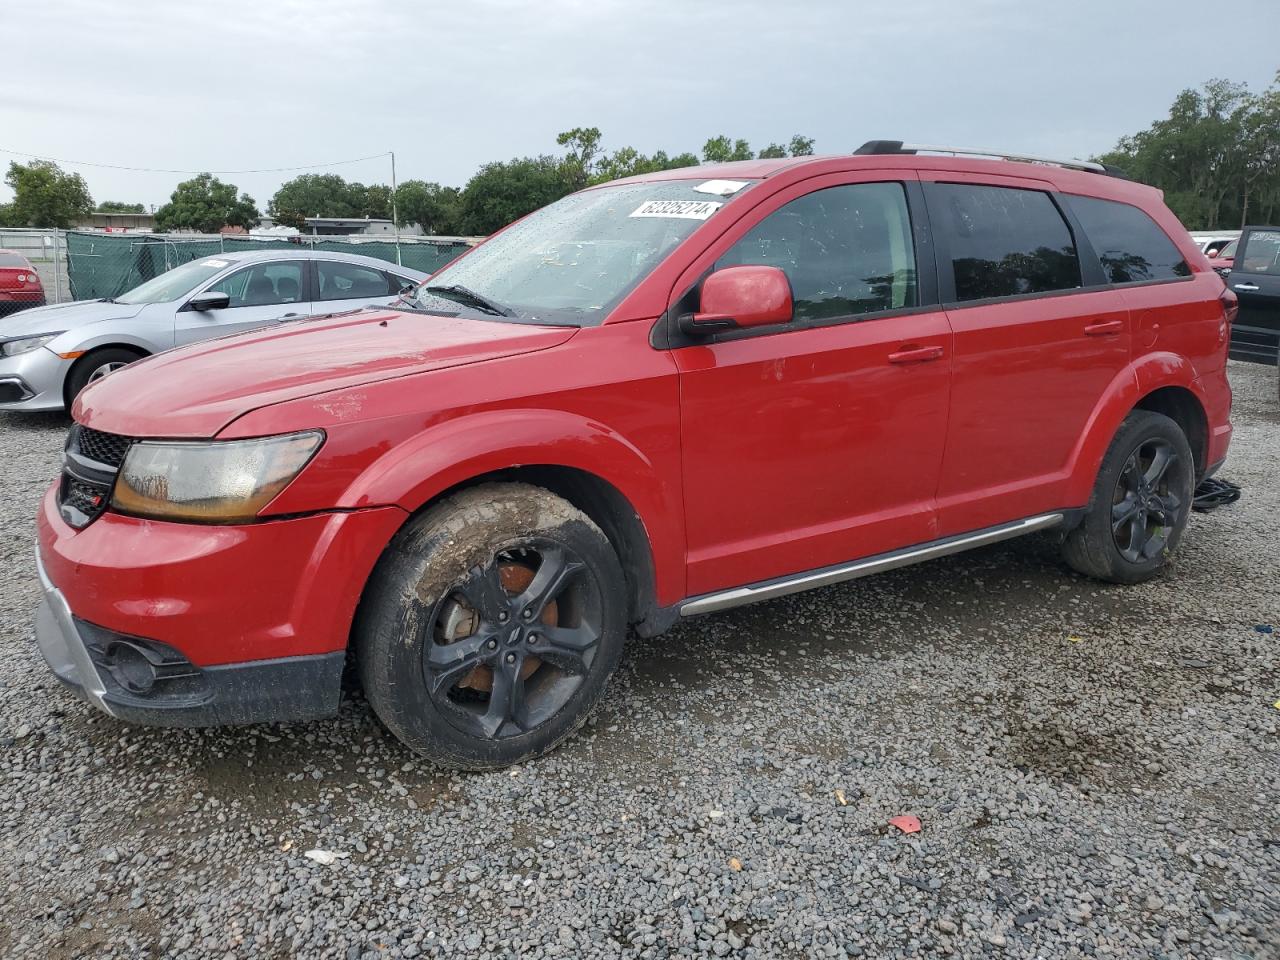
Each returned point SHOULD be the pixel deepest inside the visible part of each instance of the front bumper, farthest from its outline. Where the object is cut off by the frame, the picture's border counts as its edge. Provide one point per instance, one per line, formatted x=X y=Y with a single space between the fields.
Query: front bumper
x=105 y=669
x=32 y=381
x=234 y=624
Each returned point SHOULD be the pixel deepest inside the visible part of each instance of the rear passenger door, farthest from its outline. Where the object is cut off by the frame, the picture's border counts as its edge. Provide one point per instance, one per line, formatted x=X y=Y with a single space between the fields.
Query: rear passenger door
x=341 y=285
x=264 y=293
x=1255 y=280
x=1035 y=347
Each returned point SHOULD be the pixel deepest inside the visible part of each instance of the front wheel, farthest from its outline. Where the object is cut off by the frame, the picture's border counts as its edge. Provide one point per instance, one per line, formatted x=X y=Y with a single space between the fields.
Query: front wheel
x=1140 y=503
x=491 y=626
x=95 y=365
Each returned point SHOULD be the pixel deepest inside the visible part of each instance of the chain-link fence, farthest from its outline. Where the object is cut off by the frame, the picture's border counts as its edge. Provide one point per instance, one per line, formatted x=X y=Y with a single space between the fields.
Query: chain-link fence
x=85 y=265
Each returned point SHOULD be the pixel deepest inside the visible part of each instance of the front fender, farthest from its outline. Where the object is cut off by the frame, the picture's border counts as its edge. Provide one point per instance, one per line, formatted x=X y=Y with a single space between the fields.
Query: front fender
x=425 y=465
x=1147 y=373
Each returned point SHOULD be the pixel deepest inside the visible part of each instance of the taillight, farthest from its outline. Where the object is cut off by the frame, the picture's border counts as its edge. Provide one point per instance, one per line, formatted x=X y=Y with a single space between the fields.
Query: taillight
x=1230 y=306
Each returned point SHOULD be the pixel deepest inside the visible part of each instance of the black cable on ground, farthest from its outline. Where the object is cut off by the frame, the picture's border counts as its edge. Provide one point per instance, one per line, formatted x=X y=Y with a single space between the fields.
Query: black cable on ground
x=1213 y=493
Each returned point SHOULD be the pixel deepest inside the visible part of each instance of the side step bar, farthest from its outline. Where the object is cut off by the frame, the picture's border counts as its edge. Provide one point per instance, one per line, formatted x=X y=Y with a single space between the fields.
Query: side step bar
x=823 y=576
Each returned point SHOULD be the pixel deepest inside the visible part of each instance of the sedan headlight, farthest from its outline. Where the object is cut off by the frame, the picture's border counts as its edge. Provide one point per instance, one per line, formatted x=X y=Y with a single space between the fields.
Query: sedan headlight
x=216 y=481
x=11 y=348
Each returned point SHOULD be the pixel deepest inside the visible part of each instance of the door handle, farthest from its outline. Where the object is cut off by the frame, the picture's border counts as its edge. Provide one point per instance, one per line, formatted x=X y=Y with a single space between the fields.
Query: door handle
x=287 y=316
x=1105 y=328
x=913 y=354
x=1246 y=287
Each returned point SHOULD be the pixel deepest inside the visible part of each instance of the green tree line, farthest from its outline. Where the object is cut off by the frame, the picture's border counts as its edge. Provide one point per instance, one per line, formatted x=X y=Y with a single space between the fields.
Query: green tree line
x=1216 y=155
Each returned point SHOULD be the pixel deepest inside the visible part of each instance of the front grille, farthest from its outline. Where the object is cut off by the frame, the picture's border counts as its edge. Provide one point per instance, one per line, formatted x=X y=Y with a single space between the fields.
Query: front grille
x=105 y=448
x=88 y=473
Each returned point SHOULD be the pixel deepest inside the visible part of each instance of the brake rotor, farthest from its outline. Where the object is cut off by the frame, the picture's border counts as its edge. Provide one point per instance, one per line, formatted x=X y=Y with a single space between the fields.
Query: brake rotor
x=460 y=621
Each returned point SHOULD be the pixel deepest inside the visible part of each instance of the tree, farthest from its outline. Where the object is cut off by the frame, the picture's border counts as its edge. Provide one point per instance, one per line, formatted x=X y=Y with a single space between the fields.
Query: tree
x=373 y=201
x=774 y=151
x=502 y=192
x=45 y=196
x=313 y=195
x=434 y=208
x=116 y=206
x=722 y=150
x=629 y=162
x=584 y=147
x=1215 y=155
x=205 y=204
x=801 y=146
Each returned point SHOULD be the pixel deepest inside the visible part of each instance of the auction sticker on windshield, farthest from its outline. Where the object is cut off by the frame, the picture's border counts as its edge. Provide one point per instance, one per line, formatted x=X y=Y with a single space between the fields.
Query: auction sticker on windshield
x=678 y=209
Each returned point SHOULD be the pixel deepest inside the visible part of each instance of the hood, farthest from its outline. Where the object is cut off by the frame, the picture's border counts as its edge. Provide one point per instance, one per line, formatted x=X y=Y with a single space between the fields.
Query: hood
x=197 y=390
x=64 y=316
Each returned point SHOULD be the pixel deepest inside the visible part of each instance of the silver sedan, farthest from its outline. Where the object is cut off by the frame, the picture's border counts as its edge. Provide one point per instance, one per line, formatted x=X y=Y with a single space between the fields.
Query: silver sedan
x=49 y=354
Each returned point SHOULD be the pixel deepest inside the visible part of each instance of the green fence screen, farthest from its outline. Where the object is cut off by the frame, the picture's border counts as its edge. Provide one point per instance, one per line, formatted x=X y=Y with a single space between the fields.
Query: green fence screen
x=107 y=265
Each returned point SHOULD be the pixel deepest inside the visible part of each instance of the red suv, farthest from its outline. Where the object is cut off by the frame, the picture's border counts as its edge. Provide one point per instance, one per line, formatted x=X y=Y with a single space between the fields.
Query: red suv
x=655 y=398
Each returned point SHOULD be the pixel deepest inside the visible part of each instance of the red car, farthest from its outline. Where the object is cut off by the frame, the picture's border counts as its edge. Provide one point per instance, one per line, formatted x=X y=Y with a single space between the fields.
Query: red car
x=1223 y=260
x=659 y=397
x=20 y=285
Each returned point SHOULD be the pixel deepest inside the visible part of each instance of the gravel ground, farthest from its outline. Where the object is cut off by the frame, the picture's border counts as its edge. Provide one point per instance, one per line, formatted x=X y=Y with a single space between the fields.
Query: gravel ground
x=1096 y=769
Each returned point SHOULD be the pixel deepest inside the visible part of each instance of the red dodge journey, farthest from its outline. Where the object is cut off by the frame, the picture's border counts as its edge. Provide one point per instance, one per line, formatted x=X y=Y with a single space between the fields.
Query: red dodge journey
x=659 y=397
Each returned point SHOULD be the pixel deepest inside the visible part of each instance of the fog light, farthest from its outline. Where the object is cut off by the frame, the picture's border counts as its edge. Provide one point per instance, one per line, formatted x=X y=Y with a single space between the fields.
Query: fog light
x=130 y=666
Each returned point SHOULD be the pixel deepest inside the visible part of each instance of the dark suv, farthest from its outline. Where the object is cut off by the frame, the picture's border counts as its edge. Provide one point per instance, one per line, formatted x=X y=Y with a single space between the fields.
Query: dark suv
x=1255 y=279
x=659 y=397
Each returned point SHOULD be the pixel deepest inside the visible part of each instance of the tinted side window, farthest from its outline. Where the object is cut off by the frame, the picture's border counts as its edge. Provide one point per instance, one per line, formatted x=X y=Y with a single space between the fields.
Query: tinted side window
x=1004 y=242
x=350 y=281
x=1131 y=246
x=1261 y=255
x=846 y=250
x=262 y=285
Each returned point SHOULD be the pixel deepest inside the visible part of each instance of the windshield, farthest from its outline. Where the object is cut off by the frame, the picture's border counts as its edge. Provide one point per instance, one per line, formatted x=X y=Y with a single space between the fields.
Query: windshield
x=176 y=283
x=573 y=261
x=1229 y=250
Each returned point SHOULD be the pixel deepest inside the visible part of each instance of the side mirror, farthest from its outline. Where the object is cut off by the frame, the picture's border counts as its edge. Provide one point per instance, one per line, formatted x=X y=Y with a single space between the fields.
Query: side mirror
x=741 y=297
x=406 y=285
x=209 y=300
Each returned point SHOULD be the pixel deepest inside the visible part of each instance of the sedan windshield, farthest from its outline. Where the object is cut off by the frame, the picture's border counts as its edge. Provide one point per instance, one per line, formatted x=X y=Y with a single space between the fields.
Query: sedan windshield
x=175 y=283
x=573 y=261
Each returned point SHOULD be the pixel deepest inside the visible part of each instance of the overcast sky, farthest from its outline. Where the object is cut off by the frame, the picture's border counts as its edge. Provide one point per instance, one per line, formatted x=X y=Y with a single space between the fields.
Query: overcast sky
x=240 y=85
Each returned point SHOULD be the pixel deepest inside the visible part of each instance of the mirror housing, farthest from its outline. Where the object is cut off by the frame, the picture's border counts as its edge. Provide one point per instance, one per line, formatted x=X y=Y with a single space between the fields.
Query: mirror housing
x=209 y=300
x=739 y=298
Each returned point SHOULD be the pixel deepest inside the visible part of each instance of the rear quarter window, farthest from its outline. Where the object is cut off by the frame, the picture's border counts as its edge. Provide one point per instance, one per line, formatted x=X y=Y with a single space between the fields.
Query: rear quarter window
x=1130 y=245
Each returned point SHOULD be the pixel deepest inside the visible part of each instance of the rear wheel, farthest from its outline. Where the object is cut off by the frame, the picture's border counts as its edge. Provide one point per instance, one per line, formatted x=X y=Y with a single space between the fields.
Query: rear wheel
x=95 y=365
x=1140 y=503
x=491 y=626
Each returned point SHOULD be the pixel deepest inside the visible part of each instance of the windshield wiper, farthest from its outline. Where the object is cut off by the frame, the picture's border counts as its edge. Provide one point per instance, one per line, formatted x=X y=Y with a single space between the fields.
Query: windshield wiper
x=460 y=294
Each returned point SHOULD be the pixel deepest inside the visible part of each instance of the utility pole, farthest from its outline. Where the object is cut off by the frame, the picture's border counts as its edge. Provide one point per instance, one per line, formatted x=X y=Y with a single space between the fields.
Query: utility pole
x=395 y=218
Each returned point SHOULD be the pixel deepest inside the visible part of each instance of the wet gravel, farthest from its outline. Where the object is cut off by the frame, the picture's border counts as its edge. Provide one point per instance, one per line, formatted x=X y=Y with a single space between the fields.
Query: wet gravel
x=1096 y=770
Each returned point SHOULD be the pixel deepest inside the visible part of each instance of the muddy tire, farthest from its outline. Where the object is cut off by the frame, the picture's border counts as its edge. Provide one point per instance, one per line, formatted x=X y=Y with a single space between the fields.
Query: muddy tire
x=1140 y=502
x=491 y=626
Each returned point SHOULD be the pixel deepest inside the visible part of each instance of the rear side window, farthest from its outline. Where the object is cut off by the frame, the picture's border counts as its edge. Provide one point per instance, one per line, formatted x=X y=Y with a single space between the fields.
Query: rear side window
x=846 y=250
x=1004 y=242
x=1261 y=254
x=349 y=281
x=1131 y=246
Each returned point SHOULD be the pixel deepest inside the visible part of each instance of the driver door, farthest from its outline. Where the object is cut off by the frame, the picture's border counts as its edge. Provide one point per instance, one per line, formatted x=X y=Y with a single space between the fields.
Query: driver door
x=818 y=441
x=260 y=294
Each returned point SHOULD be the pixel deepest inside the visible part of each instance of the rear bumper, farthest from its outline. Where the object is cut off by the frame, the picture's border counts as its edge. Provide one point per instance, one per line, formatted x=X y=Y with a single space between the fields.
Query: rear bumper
x=139 y=681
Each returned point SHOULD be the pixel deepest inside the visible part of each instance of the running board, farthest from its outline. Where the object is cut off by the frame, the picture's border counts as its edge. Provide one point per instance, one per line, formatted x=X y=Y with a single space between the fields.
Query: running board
x=824 y=576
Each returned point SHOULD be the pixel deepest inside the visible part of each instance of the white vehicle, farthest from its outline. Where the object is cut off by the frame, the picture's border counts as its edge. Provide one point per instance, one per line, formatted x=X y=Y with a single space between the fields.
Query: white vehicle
x=1211 y=242
x=49 y=354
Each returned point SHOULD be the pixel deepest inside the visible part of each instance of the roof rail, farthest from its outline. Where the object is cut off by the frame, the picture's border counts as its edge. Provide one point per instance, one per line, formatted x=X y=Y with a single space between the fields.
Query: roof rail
x=874 y=147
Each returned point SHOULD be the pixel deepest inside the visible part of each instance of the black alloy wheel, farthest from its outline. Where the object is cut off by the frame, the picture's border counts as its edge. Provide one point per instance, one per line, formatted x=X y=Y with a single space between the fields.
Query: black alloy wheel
x=1146 y=504
x=512 y=642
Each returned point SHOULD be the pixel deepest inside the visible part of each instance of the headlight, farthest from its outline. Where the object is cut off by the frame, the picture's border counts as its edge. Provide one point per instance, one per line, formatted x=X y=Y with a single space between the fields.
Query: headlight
x=210 y=482
x=11 y=348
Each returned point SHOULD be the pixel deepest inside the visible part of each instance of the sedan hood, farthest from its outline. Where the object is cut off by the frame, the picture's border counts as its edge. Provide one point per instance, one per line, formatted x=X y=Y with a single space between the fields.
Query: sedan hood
x=64 y=316
x=197 y=390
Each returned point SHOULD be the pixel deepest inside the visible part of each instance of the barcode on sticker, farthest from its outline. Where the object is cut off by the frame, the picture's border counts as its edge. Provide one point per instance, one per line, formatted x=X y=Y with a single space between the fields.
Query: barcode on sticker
x=679 y=209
